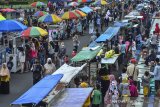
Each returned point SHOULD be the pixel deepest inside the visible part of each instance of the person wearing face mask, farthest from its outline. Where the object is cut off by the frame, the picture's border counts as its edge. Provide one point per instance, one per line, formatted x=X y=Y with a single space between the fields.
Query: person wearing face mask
x=49 y=67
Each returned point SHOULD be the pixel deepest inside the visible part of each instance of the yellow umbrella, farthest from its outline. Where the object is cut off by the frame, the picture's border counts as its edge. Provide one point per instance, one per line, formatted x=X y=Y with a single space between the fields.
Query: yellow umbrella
x=2 y=18
x=70 y=15
x=52 y=18
x=100 y=2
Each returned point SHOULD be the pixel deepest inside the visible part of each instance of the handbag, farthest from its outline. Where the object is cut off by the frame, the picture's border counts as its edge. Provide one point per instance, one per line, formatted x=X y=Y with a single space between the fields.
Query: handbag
x=131 y=77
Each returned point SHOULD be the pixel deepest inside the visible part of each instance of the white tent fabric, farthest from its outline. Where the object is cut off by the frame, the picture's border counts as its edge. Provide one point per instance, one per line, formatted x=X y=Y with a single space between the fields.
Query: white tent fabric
x=68 y=72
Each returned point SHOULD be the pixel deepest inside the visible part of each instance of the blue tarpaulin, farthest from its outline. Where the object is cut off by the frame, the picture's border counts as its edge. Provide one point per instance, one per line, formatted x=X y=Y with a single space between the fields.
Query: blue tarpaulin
x=72 y=97
x=39 y=91
x=93 y=44
x=86 y=9
x=120 y=24
x=108 y=34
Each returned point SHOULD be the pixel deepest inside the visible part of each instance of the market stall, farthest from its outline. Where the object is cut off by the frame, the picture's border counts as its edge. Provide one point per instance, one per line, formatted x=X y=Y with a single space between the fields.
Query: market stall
x=110 y=61
x=72 y=97
x=109 y=36
x=86 y=55
x=40 y=90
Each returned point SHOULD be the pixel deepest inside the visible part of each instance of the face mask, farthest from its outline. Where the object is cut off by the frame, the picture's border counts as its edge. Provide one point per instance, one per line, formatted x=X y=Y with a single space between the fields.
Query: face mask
x=49 y=62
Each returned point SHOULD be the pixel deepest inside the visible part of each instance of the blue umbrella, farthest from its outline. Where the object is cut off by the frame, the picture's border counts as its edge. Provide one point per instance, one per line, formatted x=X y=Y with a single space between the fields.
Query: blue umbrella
x=11 y=26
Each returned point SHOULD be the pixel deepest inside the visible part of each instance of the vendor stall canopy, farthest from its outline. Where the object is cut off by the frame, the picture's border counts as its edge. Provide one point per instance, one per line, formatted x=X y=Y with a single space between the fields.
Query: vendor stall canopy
x=120 y=24
x=86 y=9
x=108 y=34
x=86 y=54
x=72 y=97
x=39 y=91
x=68 y=72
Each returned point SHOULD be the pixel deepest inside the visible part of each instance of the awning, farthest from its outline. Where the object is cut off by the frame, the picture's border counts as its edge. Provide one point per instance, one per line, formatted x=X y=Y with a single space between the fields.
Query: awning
x=93 y=44
x=120 y=24
x=86 y=54
x=40 y=90
x=86 y=9
x=68 y=72
x=110 y=60
x=72 y=97
x=108 y=34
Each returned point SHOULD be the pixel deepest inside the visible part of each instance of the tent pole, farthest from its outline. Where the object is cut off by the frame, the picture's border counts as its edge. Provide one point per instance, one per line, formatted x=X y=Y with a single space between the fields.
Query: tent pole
x=89 y=72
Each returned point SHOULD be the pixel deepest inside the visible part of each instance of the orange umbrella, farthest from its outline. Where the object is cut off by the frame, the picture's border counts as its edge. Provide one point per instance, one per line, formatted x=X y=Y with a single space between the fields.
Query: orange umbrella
x=82 y=14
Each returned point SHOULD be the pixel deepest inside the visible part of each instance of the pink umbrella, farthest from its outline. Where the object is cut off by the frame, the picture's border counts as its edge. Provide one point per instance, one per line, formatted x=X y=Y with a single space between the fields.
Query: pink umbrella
x=7 y=10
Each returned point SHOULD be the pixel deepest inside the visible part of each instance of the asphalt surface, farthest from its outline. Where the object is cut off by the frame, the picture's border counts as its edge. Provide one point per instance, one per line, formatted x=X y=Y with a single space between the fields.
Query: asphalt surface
x=20 y=83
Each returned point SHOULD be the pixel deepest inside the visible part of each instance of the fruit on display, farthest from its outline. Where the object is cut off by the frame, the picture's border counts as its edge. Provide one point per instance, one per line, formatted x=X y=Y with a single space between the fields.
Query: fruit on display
x=109 y=54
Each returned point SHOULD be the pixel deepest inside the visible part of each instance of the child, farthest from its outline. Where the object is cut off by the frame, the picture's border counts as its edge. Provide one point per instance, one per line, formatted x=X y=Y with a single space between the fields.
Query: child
x=124 y=76
x=96 y=96
x=146 y=83
x=125 y=92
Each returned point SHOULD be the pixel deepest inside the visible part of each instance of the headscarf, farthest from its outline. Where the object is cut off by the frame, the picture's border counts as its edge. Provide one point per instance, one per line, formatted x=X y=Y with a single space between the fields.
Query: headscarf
x=50 y=67
x=112 y=78
x=4 y=71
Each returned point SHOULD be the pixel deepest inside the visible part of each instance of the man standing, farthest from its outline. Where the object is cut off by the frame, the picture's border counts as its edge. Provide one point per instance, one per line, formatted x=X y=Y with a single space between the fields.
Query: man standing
x=133 y=71
x=157 y=74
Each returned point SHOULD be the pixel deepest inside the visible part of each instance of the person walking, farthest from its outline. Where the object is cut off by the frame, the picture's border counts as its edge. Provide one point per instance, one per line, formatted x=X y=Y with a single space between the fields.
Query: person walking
x=146 y=83
x=22 y=59
x=123 y=50
x=49 y=67
x=37 y=70
x=96 y=97
x=157 y=74
x=133 y=71
x=4 y=78
x=62 y=53
x=76 y=42
x=91 y=26
x=10 y=63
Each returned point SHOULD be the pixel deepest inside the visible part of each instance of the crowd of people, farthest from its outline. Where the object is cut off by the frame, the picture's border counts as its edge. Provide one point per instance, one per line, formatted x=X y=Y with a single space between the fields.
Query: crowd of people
x=44 y=55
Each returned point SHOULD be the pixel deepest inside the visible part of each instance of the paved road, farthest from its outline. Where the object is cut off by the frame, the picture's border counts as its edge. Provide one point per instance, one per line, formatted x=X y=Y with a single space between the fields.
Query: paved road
x=20 y=83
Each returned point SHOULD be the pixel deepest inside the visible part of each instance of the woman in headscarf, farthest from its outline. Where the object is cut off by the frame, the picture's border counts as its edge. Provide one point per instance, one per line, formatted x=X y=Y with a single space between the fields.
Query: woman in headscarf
x=49 y=67
x=5 y=78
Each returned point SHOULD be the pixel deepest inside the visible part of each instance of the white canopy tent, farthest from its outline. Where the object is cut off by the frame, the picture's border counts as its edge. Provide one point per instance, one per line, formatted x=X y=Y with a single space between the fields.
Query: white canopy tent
x=68 y=72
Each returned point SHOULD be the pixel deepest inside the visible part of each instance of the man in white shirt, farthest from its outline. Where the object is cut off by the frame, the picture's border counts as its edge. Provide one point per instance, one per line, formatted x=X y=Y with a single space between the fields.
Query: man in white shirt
x=154 y=40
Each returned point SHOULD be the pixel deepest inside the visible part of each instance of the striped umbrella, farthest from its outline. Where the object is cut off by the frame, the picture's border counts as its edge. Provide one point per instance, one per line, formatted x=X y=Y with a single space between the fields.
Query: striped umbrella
x=34 y=32
x=73 y=4
x=50 y=18
x=70 y=15
x=2 y=18
x=100 y=2
x=84 y=1
x=38 y=4
x=82 y=14
x=40 y=13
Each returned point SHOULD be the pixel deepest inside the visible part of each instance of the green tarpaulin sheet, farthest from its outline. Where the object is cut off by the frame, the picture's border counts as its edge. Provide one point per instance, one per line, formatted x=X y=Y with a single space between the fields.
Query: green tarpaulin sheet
x=85 y=54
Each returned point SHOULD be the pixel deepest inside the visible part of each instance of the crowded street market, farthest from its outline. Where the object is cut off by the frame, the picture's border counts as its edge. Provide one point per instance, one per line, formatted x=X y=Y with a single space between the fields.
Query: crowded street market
x=80 y=53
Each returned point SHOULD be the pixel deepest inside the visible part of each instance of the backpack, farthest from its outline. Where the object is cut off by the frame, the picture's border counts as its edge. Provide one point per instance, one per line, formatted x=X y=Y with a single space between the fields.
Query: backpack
x=37 y=71
x=9 y=65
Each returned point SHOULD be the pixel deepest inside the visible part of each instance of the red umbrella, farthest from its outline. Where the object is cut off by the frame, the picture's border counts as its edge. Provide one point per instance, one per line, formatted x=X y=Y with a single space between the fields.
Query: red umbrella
x=7 y=10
